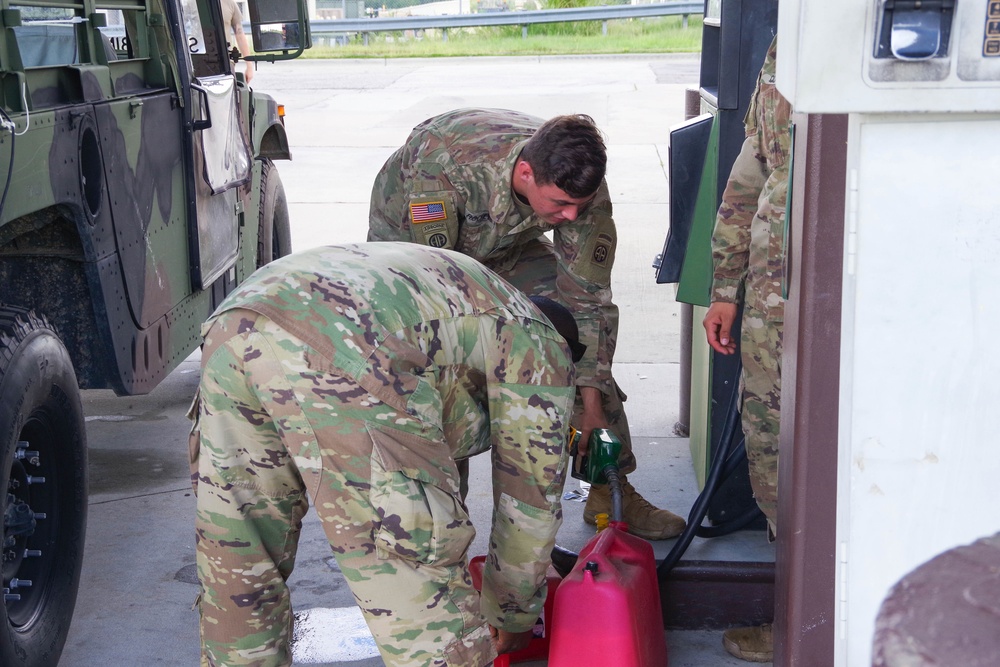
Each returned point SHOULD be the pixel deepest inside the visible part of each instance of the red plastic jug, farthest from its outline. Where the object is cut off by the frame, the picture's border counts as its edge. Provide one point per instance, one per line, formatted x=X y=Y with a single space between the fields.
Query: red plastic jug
x=607 y=609
x=538 y=649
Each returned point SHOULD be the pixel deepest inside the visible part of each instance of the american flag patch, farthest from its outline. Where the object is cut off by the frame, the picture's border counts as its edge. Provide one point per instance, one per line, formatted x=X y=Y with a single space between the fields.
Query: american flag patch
x=430 y=211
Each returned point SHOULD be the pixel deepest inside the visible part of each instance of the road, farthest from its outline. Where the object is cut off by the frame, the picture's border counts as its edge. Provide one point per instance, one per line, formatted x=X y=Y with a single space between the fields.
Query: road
x=344 y=118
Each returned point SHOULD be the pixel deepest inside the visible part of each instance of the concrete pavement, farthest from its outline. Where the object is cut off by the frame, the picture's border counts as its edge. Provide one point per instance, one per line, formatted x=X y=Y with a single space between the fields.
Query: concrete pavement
x=344 y=118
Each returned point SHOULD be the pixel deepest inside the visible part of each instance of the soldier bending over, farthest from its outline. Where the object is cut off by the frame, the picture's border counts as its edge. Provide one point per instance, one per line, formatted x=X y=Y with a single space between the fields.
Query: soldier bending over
x=354 y=377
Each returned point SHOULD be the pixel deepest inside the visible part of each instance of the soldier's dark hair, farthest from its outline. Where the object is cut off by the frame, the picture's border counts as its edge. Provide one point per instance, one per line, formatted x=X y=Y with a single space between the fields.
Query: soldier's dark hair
x=568 y=152
x=564 y=323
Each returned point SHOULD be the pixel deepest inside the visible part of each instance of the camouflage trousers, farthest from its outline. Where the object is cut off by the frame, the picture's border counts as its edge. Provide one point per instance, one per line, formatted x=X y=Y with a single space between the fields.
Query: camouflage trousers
x=761 y=345
x=535 y=275
x=268 y=447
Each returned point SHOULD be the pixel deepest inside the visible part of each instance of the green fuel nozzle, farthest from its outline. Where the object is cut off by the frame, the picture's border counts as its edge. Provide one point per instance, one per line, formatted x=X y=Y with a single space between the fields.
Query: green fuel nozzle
x=603 y=450
x=600 y=464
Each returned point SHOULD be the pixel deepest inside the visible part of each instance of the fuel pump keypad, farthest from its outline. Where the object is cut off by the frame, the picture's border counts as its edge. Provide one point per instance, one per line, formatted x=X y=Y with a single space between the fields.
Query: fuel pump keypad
x=991 y=40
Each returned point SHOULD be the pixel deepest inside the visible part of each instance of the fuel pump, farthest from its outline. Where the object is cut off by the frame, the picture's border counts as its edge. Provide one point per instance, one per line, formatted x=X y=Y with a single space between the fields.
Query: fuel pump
x=895 y=235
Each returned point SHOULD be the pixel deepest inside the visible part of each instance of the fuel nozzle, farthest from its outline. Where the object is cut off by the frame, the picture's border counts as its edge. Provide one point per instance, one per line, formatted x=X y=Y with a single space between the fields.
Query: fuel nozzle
x=600 y=464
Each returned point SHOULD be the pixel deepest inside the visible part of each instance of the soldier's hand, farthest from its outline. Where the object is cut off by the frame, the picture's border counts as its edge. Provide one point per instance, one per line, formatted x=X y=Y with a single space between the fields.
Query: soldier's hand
x=718 y=324
x=508 y=642
x=592 y=416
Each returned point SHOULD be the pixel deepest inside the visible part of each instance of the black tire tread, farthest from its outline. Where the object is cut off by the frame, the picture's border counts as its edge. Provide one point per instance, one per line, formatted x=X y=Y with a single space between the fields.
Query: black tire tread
x=16 y=323
x=277 y=207
x=20 y=329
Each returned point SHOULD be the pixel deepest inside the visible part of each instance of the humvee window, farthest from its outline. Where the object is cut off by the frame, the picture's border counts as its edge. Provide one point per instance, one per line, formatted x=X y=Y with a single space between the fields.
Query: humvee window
x=192 y=27
x=206 y=44
x=117 y=45
x=47 y=36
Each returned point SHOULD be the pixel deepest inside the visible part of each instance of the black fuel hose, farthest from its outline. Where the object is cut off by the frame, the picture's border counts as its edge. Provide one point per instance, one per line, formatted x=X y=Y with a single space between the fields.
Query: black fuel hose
x=725 y=460
x=749 y=515
x=615 y=486
x=563 y=560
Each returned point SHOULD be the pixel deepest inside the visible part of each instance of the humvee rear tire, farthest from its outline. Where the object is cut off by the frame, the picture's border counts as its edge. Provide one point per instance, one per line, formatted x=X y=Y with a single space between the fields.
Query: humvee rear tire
x=43 y=471
x=274 y=235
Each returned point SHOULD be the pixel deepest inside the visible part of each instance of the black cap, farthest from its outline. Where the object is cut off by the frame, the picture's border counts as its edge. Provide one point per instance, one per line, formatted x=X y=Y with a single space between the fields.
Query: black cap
x=563 y=321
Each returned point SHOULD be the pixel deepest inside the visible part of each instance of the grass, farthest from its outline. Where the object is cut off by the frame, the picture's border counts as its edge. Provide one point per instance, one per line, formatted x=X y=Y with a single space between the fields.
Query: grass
x=643 y=35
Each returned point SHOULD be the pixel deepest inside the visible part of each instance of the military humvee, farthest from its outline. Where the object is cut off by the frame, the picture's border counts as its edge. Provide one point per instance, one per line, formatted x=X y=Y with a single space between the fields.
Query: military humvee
x=137 y=189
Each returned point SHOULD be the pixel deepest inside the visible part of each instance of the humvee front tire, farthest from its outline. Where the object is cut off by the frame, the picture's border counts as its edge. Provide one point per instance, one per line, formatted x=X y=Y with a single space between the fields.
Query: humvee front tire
x=274 y=235
x=43 y=490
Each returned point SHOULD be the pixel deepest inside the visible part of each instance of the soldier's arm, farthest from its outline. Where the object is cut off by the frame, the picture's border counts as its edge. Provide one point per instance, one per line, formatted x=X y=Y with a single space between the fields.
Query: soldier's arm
x=585 y=252
x=731 y=238
x=242 y=43
x=413 y=198
x=529 y=421
x=386 y=219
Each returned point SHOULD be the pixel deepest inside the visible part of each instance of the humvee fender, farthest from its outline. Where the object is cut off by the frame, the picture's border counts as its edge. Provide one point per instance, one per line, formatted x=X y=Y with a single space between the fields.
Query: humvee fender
x=137 y=189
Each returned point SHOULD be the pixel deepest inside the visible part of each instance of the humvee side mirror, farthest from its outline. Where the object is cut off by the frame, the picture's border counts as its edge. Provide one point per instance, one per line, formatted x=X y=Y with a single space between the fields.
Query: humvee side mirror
x=280 y=29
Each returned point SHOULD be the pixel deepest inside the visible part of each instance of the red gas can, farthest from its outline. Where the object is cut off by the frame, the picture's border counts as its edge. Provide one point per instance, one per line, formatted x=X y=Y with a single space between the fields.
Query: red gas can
x=538 y=649
x=607 y=610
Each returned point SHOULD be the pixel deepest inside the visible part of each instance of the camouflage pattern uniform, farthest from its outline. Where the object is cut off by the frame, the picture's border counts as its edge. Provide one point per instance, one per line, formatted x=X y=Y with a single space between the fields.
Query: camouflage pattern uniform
x=749 y=253
x=449 y=186
x=354 y=377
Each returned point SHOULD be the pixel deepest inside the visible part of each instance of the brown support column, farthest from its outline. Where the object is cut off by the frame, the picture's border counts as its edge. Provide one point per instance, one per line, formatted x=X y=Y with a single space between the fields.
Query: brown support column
x=805 y=591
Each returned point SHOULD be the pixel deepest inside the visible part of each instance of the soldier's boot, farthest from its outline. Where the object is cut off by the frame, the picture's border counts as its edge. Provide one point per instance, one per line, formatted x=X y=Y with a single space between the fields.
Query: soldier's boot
x=753 y=644
x=643 y=518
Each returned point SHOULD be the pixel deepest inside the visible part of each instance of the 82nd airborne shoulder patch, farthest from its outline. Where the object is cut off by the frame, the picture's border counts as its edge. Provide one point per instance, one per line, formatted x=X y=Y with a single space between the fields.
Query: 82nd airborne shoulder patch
x=603 y=250
x=429 y=220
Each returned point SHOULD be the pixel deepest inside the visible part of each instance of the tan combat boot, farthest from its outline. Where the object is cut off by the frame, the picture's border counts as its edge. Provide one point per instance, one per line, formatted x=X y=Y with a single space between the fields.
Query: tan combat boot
x=753 y=644
x=643 y=519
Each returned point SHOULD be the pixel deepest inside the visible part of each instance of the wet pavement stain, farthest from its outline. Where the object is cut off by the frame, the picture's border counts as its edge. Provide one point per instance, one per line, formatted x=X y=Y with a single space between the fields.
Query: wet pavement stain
x=126 y=471
x=152 y=416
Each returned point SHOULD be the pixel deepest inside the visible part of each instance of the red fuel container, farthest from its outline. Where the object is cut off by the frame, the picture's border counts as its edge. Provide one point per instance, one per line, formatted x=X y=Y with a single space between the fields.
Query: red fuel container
x=538 y=649
x=607 y=609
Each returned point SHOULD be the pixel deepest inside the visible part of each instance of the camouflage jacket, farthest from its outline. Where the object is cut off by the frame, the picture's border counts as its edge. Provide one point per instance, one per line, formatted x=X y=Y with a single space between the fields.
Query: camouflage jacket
x=438 y=337
x=449 y=186
x=748 y=246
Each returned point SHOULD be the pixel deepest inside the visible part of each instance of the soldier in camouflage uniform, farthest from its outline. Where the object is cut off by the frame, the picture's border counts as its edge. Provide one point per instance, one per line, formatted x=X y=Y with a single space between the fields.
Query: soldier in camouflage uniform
x=748 y=248
x=354 y=377
x=489 y=183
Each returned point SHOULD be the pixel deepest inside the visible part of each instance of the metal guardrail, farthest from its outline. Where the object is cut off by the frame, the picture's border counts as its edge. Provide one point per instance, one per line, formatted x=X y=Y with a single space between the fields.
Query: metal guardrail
x=327 y=27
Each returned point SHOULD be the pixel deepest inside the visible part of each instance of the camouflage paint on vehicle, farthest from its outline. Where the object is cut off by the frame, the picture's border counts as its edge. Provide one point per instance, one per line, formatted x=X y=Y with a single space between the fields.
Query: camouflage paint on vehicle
x=106 y=188
x=138 y=190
